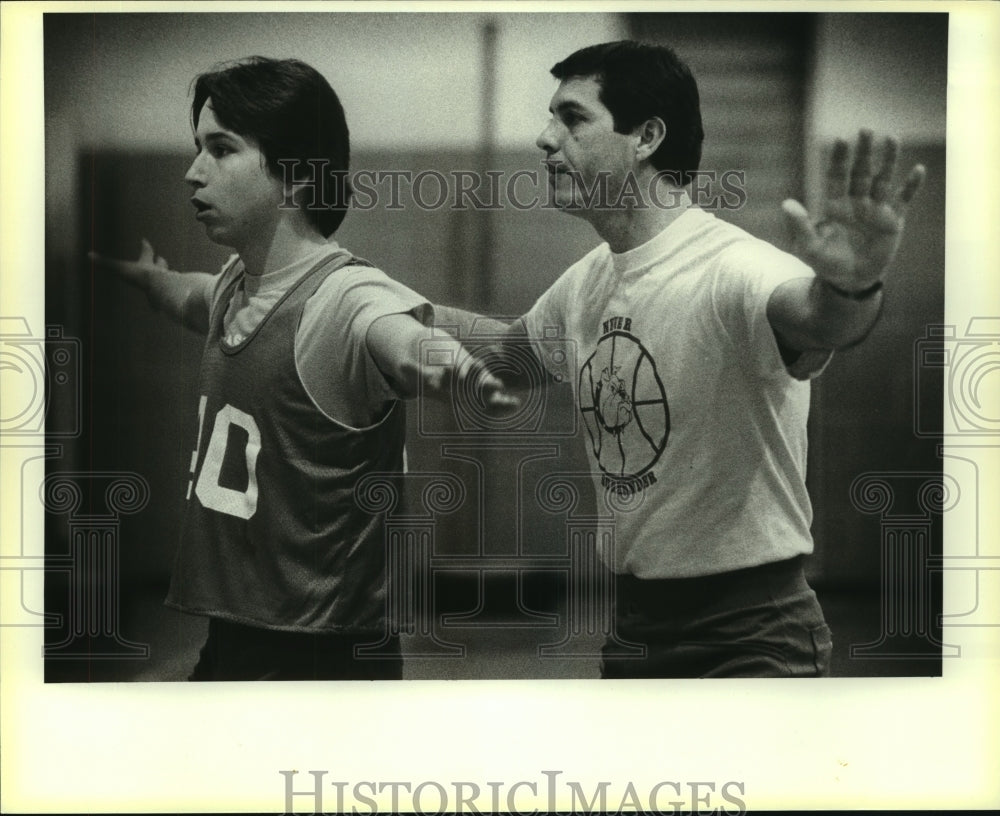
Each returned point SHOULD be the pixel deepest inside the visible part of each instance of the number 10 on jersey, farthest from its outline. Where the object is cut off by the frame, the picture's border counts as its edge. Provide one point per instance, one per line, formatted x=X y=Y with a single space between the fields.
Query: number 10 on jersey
x=232 y=501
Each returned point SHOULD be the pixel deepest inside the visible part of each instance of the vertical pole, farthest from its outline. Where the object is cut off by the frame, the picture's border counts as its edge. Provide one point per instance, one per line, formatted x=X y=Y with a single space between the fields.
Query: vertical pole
x=482 y=275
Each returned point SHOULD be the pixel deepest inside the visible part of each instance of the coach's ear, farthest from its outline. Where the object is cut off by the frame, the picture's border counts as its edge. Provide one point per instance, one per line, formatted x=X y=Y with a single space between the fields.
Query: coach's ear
x=650 y=134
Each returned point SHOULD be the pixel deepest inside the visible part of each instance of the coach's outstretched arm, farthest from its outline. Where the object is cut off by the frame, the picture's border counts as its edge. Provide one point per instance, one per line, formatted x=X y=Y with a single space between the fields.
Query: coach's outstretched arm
x=849 y=249
x=183 y=296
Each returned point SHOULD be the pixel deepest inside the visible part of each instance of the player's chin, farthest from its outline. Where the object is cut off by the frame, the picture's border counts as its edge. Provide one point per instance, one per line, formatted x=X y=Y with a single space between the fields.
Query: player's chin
x=218 y=234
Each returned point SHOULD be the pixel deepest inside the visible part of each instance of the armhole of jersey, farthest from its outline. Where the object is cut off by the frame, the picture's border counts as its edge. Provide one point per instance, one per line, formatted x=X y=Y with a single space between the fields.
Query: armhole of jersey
x=389 y=406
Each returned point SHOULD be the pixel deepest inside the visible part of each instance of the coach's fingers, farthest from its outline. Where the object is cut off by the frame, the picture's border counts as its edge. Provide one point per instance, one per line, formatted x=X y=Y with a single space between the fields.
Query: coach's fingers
x=914 y=181
x=861 y=171
x=882 y=182
x=797 y=216
x=836 y=172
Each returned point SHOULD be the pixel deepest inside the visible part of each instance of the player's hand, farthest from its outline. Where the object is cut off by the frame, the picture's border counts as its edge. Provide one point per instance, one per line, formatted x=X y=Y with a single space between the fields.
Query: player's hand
x=138 y=271
x=861 y=220
x=486 y=388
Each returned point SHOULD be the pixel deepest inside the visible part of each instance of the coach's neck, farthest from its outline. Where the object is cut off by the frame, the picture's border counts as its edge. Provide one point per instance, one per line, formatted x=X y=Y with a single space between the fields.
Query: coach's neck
x=630 y=226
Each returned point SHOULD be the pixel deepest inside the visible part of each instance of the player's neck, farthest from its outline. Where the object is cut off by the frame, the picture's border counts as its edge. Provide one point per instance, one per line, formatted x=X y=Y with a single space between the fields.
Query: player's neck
x=291 y=239
x=630 y=228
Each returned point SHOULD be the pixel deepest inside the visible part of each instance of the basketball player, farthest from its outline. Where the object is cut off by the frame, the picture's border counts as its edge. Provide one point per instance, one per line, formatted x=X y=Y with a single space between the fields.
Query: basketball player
x=308 y=354
x=694 y=346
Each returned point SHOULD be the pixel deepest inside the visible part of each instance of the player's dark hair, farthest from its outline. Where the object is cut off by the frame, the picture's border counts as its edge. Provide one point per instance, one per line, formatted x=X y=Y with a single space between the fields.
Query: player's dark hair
x=640 y=81
x=292 y=113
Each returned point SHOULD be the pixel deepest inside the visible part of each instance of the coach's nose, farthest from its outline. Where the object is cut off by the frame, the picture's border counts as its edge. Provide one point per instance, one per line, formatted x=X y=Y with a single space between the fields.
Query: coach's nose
x=548 y=139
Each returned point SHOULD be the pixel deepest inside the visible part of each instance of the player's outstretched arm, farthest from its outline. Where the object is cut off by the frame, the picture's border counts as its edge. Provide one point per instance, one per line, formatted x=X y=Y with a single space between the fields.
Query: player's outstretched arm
x=183 y=296
x=469 y=324
x=417 y=360
x=503 y=338
x=849 y=248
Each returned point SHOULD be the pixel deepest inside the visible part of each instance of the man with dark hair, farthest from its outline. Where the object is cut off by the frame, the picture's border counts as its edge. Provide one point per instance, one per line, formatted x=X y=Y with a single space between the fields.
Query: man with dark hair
x=635 y=80
x=297 y=121
x=694 y=342
x=308 y=353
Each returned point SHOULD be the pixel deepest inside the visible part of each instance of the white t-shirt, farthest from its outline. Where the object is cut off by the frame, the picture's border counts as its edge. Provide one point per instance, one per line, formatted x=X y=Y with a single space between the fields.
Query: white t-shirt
x=331 y=353
x=695 y=430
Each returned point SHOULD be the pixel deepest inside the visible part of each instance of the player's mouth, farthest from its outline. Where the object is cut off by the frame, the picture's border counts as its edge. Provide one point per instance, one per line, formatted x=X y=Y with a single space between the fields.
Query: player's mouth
x=201 y=208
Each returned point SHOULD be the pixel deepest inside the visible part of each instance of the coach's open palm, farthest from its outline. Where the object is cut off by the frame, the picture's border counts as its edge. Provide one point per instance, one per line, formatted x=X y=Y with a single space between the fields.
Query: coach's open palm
x=861 y=220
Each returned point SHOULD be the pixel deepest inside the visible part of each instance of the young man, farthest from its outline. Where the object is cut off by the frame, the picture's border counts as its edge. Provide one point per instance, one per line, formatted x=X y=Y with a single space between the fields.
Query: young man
x=694 y=342
x=308 y=353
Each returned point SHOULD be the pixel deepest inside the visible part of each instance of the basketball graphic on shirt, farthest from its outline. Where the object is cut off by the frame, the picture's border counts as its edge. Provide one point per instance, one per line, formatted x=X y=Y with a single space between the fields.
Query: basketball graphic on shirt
x=614 y=406
x=624 y=406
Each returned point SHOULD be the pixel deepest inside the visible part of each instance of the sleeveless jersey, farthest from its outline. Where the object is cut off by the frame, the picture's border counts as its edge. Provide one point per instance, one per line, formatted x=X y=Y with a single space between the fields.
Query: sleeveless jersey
x=272 y=535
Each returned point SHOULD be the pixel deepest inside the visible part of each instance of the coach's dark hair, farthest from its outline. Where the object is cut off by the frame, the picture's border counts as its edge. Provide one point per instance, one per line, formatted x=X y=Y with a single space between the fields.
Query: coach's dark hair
x=640 y=81
x=291 y=112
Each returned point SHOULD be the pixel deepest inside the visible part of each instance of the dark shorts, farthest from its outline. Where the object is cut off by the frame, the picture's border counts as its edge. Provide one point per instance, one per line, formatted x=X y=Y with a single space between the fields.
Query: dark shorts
x=758 y=622
x=237 y=652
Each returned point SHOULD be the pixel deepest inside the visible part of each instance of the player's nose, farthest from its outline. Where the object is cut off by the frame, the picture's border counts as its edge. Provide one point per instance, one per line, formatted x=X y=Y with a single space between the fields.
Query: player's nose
x=195 y=175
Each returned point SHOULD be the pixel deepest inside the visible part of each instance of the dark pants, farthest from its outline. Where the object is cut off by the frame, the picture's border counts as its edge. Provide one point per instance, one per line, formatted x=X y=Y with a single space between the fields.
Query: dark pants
x=758 y=622
x=237 y=652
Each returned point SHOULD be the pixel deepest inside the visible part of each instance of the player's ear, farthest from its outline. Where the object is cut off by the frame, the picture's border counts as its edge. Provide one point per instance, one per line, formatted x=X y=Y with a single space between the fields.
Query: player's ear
x=651 y=134
x=323 y=188
x=302 y=194
x=297 y=181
